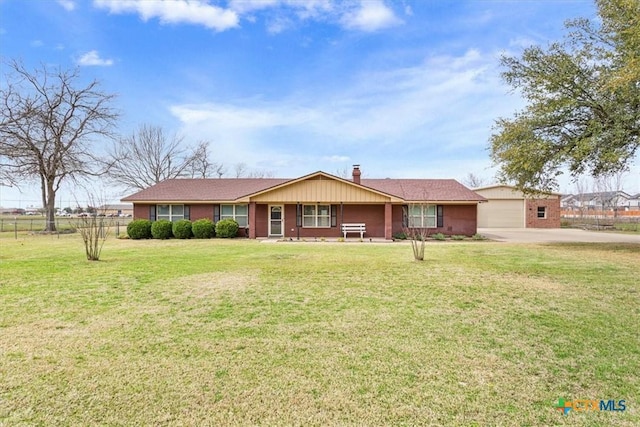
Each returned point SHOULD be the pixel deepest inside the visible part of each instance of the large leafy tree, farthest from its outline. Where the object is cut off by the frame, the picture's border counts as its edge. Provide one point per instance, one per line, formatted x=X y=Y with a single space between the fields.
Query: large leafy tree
x=49 y=121
x=583 y=102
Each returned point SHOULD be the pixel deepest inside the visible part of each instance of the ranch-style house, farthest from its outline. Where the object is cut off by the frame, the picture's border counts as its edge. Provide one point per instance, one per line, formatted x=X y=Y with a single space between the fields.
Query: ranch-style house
x=315 y=205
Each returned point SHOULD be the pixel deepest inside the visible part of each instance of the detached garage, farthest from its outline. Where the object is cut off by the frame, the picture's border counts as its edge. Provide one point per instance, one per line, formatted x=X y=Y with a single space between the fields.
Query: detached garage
x=507 y=207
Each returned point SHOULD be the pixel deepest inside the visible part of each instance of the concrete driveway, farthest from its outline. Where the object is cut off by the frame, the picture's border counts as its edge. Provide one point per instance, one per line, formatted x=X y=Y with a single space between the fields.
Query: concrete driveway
x=539 y=235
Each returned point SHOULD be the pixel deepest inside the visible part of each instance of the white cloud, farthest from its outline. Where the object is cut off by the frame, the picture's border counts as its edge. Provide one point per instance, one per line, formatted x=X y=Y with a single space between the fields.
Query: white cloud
x=69 y=5
x=440 y=110
x=361 y=15
x=408 y=10
x=303 y=8
x=36 y=43
x=92 y=58
x=370 y=16
x=278 y=24
x=174 y=12
x=246 y=6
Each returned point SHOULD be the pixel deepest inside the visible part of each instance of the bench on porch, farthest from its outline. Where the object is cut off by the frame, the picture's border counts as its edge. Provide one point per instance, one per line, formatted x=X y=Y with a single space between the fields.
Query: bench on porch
x=353 y=228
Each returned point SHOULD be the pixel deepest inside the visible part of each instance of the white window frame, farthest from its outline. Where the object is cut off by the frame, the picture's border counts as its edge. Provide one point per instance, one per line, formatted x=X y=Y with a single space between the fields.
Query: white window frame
x=544 y=216
x=423 y=216
x=171 y=215
x=242 y=218
x=314 y=219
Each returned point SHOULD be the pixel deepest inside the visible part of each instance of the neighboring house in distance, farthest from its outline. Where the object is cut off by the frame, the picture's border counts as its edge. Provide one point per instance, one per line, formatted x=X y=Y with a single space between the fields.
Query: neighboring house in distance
x=12 y=211
x=315 y=205
x=118 y=209
x=600 y=201
x=508 y=207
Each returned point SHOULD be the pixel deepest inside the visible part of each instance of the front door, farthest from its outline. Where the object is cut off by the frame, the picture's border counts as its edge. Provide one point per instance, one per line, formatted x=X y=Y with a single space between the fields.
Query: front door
x=276 y=220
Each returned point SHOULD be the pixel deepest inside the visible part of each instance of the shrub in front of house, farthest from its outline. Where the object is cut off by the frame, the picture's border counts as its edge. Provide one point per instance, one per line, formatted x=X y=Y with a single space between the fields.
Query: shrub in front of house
x=139 y=229
x=182 y=229
x=162 y=229
x=203 y=229
x=226 y=228
x=439 y=236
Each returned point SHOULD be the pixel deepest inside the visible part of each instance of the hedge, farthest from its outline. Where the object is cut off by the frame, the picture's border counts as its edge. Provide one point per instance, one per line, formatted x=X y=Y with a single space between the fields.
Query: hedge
x=139 y=229
x=162 y=229
x=203 y=229
x=182 y=229
x=227 y=228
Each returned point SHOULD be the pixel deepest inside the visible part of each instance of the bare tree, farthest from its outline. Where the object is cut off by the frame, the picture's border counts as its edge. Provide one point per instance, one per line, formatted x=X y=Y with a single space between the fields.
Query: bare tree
x=581 y=189
x=240 y=170
x=344 y=173
x=93 y=229
x=415 y=227
x=48 y=122
x=201 y=166
x=607 y=189
x=473 y=181
x=260 y=173
x=220 y=169
x=149 y=156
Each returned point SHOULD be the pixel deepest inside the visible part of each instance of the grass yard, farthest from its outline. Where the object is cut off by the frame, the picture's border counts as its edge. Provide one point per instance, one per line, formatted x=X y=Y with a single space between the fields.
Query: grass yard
x=246 y=333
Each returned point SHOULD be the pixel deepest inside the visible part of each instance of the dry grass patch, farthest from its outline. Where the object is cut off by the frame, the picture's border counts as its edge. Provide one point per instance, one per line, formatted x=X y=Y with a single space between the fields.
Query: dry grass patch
x=207 y=285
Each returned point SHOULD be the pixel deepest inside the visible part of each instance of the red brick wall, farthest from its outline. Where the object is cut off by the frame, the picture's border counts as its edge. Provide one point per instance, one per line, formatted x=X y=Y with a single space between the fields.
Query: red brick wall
x=371 y=215
x=460 y=219
x=457 y=219
x=140 y=211
x=262 y=220
x=197 y=212
x=552 y=209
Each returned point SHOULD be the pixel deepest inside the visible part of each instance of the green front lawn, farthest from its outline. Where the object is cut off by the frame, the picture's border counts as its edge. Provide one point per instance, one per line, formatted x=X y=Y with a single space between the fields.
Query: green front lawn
x=225 y=332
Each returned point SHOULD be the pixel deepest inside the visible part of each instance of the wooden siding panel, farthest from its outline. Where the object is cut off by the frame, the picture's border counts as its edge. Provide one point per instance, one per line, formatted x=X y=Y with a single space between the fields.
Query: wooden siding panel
x=500 y=193
x=322 y=191
x=506 y=192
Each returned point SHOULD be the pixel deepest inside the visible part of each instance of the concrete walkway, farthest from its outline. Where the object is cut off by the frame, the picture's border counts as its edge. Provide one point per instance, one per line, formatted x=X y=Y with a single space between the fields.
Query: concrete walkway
x=539 y=235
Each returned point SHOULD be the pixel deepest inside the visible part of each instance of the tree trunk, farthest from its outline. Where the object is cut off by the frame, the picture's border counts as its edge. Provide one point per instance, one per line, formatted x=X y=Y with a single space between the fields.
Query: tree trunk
x=50 y=208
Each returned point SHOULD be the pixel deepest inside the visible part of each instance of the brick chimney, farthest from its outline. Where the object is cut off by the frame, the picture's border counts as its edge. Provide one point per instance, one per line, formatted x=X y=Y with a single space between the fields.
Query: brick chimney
x=356 y=174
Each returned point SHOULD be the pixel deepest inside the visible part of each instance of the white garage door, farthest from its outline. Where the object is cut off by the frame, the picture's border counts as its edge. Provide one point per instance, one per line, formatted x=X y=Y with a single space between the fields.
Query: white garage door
x=498 y=213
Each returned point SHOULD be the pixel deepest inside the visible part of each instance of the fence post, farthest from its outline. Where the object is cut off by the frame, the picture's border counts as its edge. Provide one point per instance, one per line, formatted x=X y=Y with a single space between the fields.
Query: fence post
x=15 y=228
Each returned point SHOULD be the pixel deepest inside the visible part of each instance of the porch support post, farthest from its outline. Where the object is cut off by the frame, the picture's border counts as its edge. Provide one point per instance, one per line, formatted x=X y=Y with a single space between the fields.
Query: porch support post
x=252 y=220
x=388 y=221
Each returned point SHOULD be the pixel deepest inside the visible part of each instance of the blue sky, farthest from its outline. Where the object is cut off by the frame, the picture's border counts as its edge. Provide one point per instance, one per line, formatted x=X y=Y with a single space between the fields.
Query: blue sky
x=403 y=88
